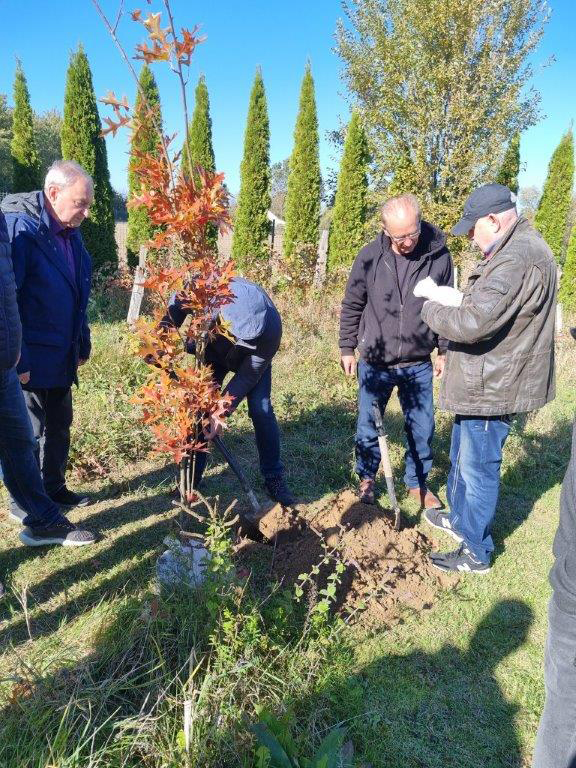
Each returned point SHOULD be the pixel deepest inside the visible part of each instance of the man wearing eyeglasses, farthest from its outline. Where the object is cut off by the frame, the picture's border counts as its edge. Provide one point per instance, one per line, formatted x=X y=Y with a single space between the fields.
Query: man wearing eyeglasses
x=380 y=317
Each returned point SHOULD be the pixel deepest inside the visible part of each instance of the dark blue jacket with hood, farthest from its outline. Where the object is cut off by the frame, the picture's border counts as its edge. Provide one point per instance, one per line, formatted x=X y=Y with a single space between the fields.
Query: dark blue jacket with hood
x=52 y=302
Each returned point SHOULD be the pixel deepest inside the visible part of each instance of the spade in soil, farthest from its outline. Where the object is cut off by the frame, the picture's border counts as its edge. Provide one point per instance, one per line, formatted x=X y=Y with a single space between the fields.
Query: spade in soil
x=386 y=465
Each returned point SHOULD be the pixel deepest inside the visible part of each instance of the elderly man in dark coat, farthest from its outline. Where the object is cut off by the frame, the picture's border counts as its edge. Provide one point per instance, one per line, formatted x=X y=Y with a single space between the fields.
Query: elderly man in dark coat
x=44 y=522
x=500 y=362
x=53 y=272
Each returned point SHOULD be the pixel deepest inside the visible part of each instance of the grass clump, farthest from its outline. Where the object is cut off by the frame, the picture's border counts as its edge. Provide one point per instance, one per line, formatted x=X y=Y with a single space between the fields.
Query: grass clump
x=172 y=679
x=107 y=432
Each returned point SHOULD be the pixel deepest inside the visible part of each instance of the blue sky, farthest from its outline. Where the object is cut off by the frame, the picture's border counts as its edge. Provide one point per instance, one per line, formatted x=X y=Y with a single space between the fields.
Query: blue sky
x=278 y=37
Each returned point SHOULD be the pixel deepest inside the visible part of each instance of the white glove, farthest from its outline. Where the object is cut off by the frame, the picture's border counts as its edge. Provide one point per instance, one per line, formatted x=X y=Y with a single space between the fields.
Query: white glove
x=443 y=294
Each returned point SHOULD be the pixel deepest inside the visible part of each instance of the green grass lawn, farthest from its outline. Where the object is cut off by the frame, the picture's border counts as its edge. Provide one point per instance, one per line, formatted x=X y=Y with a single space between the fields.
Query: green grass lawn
x=95 y=669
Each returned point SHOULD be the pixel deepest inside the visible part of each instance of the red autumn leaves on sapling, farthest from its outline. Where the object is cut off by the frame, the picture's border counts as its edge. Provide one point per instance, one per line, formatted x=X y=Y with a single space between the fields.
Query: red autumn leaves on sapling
x=180 y=395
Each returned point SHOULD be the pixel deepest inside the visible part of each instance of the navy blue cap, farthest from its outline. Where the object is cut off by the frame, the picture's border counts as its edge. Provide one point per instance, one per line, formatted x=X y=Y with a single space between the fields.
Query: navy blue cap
x=490 y=198
x=248 y=312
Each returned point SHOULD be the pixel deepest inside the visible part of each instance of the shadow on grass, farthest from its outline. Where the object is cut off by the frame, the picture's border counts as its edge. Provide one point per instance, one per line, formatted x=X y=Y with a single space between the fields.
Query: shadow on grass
x=422 y=709
x=434 y=709
x=140 y=545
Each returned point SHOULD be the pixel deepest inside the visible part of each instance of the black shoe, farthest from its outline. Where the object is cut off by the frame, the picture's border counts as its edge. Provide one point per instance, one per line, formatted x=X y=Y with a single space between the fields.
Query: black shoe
x=63 y=532
x=460 y=559
x=279 y=491
x=67 y=498
x=441 y=520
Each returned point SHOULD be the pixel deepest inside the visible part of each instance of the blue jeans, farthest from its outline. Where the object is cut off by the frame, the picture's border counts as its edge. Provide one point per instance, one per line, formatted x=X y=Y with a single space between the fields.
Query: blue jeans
x=265 y=425
x=18 y=455
x=474 y=478
x=414 y=384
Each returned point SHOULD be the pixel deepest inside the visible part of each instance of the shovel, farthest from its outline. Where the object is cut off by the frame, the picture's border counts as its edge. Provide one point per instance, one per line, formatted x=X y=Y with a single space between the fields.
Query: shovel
x=229 y=457
x=249 y=522
x=386 y=465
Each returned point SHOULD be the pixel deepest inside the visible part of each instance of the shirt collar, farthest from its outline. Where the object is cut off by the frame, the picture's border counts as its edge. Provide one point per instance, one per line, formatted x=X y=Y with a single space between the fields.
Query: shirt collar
x=56 y=228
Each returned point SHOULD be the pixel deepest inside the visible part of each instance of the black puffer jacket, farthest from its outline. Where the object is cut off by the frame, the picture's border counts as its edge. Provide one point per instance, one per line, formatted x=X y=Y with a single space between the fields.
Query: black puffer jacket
x=10 y=327
x=380 y=317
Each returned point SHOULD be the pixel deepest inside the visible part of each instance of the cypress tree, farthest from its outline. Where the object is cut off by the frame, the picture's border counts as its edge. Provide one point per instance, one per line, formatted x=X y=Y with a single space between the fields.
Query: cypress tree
x=25 y=157
x=303 y=197
x=148 y=118
x=350 y=207
x=251 y=227
x=82 y=142
x=567 y=293
x=552 y=214
x=198 y=149
x=508 y=174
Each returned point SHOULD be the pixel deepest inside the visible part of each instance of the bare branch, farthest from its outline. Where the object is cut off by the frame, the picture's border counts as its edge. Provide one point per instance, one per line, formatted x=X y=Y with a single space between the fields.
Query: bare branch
x=119 y=15
x=112 y=31
x=180 y=74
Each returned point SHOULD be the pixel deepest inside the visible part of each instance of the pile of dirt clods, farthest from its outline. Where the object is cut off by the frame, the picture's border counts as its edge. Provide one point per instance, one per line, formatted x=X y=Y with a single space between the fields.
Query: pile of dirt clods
x=387 y=572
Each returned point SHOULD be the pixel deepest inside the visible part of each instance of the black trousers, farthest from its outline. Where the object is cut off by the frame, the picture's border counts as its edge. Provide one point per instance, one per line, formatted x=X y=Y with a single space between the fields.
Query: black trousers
x=50 y=412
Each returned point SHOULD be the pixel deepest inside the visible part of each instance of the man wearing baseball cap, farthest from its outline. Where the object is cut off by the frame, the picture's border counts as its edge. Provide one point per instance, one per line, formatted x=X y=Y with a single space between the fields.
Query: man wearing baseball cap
x=500 y=362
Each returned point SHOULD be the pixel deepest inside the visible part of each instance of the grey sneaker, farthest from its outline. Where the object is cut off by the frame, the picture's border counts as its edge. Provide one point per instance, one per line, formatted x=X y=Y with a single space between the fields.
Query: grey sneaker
x=460 y=560
x=441 y=520
x=64 y=532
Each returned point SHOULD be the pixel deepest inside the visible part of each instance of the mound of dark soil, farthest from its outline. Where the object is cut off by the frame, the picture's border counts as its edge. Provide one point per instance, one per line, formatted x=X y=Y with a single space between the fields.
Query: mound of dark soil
x=387 y=572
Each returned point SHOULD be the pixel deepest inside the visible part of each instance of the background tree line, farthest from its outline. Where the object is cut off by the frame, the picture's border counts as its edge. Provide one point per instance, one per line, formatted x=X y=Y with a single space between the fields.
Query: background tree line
x=438 y=104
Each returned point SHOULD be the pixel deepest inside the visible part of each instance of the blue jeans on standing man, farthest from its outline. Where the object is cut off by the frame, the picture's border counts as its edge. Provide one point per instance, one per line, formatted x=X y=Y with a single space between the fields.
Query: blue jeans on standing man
x=263 y=418
x=18 y=455
x=415 y=393
x=474 y=479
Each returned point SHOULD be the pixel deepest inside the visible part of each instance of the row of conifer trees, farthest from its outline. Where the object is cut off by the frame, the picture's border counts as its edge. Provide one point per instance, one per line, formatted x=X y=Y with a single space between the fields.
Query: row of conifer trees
x=81 y=141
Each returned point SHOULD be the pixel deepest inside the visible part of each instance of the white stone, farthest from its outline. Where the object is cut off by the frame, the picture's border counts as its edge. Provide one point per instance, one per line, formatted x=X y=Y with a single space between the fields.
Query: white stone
x=182 y=565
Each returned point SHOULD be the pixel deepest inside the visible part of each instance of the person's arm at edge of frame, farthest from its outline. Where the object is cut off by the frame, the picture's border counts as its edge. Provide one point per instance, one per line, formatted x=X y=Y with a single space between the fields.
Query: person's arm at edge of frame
x=85 y=337
x=352 y=307
x=19 y=265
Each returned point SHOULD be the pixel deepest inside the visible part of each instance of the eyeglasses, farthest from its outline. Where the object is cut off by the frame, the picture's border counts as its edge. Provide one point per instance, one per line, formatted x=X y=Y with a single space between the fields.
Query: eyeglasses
x=401 y=238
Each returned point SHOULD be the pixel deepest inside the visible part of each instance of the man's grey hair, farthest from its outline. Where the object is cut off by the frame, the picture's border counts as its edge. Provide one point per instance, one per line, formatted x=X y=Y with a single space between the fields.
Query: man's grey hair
x=402 y=203
x=64 y=173
x=507 y=217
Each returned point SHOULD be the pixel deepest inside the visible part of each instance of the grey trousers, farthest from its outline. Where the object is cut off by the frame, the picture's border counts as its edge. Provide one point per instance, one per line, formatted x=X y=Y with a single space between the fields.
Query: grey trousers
x=556 y=739
x=50 y=412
